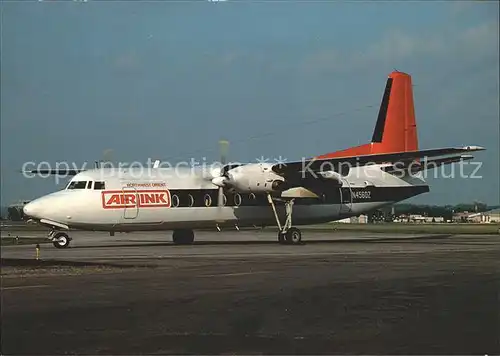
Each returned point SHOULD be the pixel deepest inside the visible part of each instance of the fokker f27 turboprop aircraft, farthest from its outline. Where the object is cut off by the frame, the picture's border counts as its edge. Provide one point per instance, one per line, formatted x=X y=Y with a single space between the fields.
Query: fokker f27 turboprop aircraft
x=320 y=189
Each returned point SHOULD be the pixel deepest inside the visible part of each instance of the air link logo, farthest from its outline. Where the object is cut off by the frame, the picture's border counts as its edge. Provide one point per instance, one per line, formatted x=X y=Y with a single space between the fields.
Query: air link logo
x=119 y=199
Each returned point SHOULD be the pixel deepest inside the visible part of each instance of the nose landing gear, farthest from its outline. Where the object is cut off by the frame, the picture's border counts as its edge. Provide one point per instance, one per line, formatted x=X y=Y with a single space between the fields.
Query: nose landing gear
x=59 y=239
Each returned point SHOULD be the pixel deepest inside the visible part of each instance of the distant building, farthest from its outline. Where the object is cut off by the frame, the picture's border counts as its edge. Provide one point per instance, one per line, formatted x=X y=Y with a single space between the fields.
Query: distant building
x=417 y=218
x=361 y=219
x=435 y=219
x=492 y=216
x=461 y=217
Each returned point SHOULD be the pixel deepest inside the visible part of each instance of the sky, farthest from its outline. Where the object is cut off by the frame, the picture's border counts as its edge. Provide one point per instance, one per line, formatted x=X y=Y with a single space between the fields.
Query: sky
x=169 y=79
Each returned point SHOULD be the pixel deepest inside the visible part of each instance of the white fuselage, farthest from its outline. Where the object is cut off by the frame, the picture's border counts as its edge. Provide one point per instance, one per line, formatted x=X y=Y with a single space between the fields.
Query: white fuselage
x=158 y=199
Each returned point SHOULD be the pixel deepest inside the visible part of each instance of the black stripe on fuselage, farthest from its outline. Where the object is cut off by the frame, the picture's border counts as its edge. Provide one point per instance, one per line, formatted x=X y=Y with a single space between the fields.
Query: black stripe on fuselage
x=208 y=197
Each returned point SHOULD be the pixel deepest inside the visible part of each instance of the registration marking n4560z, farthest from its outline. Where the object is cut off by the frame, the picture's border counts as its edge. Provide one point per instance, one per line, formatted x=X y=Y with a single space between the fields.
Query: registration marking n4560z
x=362 y=194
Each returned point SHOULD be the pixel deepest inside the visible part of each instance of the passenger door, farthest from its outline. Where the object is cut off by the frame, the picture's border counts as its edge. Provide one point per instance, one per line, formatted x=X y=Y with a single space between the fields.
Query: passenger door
x=131 y=203
x=345 y=199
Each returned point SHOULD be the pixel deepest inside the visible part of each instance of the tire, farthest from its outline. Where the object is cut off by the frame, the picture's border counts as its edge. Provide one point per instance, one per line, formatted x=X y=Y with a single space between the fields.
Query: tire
x=61 y=240
x=183 y=237
x=281 y=238
x=293 y=236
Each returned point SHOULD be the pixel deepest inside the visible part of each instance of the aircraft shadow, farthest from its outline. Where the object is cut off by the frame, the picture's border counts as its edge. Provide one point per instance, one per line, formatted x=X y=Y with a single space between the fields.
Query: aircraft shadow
x=21 y=262
x=372 y=240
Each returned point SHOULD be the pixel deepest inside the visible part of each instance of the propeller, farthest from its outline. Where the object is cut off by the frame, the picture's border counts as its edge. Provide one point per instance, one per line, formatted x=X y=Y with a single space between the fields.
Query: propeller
x=220 y=179
x=107 y=157
x=224 y=145
x=106 y=161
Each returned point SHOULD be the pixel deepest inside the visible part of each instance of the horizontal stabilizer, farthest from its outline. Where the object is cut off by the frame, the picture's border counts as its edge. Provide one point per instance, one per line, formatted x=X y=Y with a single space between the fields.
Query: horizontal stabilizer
x=315 y=164
x=415 y=167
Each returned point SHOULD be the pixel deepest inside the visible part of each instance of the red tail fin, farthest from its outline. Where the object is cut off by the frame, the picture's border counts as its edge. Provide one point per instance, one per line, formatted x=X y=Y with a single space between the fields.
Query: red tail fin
x=396 y=129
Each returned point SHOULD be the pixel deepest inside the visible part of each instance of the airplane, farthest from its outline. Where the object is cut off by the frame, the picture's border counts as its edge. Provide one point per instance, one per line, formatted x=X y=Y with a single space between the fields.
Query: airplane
x=320 y=189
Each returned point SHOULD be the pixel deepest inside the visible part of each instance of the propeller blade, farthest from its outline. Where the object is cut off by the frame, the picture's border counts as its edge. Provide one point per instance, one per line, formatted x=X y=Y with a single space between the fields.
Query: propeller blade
x=107 y=158
x=223 y=145
x=220 y=199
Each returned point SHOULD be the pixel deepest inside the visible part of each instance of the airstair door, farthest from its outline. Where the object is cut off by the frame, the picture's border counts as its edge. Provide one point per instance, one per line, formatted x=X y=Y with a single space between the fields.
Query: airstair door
x=130 y=203
x=345 y=198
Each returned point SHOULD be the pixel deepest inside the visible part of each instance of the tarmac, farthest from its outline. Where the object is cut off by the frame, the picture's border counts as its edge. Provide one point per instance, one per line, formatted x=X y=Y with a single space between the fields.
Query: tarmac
x=242 y=293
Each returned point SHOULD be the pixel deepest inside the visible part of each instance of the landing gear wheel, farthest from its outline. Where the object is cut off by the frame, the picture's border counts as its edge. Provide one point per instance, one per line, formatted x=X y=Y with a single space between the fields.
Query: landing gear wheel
x=281 y=238
x=293 y=236
x=61 y=240
x=183 y=237
x=287 y=234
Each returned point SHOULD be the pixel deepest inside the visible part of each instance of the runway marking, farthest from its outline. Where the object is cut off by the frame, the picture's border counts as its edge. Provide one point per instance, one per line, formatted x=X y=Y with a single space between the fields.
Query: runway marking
x=24 y=287
x=232 y=274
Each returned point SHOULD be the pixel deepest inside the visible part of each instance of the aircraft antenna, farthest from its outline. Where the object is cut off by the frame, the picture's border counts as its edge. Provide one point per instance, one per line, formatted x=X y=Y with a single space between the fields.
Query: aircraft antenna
x=107 y=158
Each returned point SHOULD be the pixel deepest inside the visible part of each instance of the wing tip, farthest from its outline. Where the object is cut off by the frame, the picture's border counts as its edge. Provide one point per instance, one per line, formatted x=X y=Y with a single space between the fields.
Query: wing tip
x=473 y=148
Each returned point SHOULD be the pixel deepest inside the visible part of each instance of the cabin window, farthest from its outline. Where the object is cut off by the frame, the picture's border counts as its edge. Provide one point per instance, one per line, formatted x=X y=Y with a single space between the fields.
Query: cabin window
x=175 y=201
x=208 y=200
x=252 y=200
x=89 y=184
x=99 y=185
x=191 y=200
x=237 y=199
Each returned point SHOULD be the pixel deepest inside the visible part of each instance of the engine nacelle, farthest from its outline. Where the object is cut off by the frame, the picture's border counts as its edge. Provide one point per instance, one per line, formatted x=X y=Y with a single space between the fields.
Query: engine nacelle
x=255 y=178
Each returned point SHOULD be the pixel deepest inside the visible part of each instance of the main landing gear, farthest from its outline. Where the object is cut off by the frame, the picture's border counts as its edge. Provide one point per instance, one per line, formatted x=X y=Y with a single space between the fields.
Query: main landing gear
x=59 y=239
x=183 y=237
x=287 y=234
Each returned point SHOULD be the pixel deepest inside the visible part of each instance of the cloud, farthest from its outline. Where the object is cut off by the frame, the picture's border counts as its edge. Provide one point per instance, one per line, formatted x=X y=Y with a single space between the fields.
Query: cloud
x=396 y=46
x=399 y=45
x=326 y=59
x=126 y=61
x=230 y=57
x=480 y=37
x=460 y=7
x=236 y=56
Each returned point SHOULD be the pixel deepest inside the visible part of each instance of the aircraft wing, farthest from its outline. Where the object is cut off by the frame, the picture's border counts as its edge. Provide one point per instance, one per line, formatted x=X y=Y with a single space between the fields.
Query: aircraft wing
x=340 y=163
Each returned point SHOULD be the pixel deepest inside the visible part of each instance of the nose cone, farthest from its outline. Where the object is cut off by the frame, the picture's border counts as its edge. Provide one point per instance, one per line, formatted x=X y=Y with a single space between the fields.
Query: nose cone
x=32 y=209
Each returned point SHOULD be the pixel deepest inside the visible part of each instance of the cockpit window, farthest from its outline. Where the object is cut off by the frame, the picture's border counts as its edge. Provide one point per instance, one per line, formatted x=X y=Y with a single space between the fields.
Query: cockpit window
x=99 y=185
x=77 y=185
x=89 y=184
